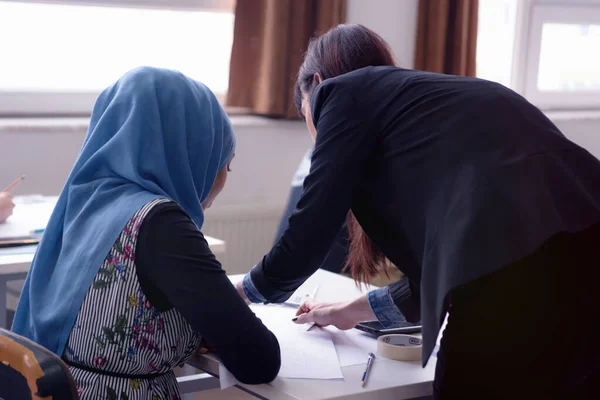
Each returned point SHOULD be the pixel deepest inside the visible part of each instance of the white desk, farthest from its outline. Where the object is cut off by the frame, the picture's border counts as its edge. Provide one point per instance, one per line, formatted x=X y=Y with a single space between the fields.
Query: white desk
x=388 y=379
x=32 y=213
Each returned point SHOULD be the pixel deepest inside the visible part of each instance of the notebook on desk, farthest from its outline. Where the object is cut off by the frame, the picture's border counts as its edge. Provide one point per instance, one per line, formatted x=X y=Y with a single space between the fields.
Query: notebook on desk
x=17 y=241
x=30 y=215
x=18 y=250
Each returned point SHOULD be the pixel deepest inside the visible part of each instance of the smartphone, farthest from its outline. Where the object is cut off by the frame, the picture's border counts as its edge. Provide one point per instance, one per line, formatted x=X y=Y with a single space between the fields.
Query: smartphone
x=376 y=328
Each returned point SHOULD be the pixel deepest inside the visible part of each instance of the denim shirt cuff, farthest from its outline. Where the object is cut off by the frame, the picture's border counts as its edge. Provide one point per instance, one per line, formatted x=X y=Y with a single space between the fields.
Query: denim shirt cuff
x=384 y=308
x=251 y=291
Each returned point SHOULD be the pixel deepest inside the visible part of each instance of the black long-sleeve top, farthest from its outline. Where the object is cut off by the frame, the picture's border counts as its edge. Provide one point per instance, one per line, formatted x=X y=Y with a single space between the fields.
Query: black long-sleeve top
x=176 y=268
x=452 y=178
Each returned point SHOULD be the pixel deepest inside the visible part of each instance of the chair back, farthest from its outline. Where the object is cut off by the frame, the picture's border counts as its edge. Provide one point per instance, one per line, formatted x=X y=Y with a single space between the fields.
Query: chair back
x=29 y=371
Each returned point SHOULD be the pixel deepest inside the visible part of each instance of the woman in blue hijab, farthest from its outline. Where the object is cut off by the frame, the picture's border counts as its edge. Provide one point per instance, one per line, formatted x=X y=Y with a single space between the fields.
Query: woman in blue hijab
x=124 y=286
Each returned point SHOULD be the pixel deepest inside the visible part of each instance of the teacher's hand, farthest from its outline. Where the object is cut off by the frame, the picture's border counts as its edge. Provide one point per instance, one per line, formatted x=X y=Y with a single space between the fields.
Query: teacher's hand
x=322 y=314
x=6 y=205
x=341 y=315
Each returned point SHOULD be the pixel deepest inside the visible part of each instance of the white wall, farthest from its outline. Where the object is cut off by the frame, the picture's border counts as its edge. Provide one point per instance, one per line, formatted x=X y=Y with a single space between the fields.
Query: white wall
x=394 y=20
x=267 y=155
x=583 y=130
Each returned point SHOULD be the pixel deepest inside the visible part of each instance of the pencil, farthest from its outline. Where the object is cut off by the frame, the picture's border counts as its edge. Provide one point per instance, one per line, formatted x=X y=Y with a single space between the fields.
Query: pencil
x=14 y=184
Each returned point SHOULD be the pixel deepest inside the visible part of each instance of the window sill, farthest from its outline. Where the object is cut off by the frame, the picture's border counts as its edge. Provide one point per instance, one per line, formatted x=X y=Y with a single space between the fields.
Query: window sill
x=79 y=125
x=43 y=125
x=573 y=115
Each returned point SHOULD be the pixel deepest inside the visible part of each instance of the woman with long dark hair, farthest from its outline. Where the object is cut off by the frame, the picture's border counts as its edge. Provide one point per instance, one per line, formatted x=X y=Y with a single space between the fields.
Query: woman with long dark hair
x=492 y=214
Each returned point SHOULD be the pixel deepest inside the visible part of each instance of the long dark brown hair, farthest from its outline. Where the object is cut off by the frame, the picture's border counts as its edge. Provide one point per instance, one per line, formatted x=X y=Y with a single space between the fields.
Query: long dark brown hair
x=343 y=49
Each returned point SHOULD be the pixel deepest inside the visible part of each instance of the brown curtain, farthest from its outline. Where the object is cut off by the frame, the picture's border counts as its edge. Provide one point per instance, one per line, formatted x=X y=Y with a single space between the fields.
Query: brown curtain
x=447 y=36
x=270 y=38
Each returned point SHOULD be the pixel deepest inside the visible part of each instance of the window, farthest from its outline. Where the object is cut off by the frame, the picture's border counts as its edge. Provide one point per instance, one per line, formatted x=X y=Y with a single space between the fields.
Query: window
x=495 y=39
x=61 y=54
x=547 y=50
x=563 y=63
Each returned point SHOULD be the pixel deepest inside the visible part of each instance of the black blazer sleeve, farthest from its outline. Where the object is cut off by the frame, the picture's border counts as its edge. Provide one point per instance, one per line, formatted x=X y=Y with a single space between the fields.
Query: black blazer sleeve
x=336 y=257
x=345 y=141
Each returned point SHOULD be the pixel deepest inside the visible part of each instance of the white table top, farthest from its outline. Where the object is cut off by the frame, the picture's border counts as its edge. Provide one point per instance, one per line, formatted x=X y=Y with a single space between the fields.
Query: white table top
x=388 y=379
x=33 y=212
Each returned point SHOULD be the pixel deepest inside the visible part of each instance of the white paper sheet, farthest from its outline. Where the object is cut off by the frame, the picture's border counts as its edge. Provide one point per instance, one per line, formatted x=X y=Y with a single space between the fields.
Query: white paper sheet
x=304 y=354
x=226 y=378
x=352 y=346
x=26 y=219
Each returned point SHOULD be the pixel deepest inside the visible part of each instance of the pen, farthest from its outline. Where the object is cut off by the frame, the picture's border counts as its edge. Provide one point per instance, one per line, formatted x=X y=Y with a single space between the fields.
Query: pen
x=14 y=184
x=298 y=300
x=311 y=296
x=314 y=293
x=363 y=382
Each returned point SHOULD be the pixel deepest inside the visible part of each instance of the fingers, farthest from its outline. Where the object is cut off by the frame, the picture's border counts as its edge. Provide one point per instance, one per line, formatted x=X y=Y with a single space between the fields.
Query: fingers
x=306 y=307
x=305 y=318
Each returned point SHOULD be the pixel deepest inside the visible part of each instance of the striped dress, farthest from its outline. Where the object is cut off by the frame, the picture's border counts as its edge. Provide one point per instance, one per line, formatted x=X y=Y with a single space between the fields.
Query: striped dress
x=121 y=347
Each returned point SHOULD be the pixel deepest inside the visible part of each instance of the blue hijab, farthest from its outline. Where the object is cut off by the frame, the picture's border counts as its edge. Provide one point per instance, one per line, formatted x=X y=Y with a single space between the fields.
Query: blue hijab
x=153 y=134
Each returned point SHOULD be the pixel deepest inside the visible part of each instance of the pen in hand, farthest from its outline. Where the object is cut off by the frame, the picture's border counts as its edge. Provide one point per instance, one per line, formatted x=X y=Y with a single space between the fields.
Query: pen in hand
x=363 y=382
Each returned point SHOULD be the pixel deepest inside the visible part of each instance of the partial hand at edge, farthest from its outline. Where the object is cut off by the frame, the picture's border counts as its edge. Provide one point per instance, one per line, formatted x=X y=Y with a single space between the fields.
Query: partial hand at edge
x=240 y=289
x=204 y=348
x=6 y=205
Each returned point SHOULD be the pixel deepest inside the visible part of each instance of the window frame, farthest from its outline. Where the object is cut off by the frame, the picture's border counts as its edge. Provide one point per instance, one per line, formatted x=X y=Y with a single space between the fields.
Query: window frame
x=56 y=104
x=531 y=16
x=186 y=5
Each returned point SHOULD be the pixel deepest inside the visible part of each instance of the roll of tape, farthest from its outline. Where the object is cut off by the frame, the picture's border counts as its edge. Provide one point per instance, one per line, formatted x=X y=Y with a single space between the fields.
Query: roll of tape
x=400 y=347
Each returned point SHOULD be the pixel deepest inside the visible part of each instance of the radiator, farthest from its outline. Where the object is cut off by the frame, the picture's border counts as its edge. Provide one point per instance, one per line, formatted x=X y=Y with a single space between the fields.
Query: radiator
x=248 y=233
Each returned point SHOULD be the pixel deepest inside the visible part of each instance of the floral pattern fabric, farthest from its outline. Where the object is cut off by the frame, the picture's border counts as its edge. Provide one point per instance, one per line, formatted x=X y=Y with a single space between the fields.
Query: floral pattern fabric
x=121 y=347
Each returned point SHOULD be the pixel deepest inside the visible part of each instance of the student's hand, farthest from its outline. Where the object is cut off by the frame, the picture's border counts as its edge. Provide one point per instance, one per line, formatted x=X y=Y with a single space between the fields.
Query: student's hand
x=240 y=288
x=204 y=348
x=6 y=205
x=341 y=315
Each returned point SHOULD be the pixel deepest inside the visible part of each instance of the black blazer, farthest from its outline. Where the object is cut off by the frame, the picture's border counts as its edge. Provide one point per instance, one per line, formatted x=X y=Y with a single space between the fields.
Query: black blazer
x=453 y=178
x=335 y=260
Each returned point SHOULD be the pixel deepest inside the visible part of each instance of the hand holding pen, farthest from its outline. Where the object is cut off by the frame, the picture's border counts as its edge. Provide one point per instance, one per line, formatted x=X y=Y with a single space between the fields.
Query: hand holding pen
x=6 y=199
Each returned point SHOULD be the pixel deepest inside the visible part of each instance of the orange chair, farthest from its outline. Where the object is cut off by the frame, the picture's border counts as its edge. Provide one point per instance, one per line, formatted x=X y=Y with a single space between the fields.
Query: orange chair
x=29 y=371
